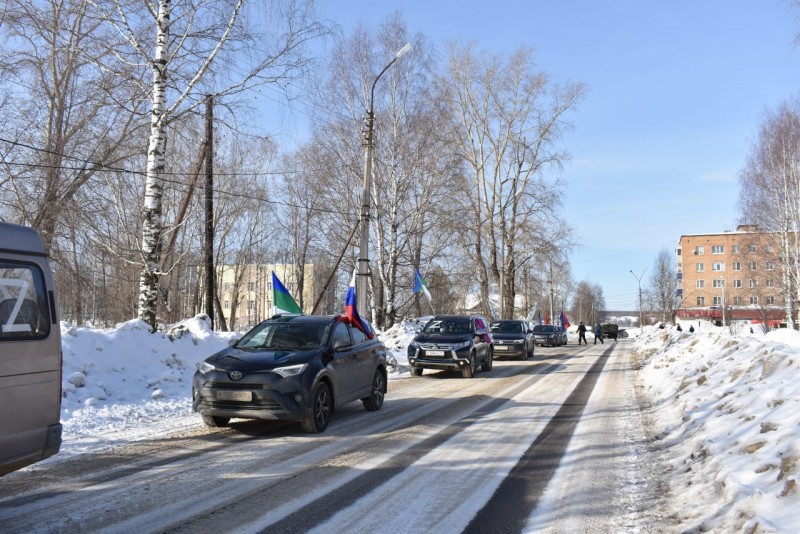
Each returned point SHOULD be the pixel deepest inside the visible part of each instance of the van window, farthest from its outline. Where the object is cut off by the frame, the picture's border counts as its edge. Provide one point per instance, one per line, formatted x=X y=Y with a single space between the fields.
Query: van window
x=23 y=302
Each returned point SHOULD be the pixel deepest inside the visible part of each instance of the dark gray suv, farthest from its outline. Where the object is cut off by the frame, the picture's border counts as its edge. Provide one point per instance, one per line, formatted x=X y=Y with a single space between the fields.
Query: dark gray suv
x=462 y=342
x=295 y=367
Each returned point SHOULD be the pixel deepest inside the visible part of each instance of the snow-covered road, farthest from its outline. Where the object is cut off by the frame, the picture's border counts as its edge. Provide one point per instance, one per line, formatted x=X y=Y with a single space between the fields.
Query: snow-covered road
x=430 y=460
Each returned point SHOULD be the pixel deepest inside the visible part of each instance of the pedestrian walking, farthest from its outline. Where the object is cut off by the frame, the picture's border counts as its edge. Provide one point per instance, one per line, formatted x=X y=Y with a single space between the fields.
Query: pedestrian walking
x=582 y=333
x=598 y=334
x=679 y=329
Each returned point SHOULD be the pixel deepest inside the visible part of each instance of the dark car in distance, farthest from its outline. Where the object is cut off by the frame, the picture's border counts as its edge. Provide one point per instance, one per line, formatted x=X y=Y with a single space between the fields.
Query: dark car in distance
x=548 y=334
x=609 y=331
x=513 y=339
x=458 y=342
x=292 y=367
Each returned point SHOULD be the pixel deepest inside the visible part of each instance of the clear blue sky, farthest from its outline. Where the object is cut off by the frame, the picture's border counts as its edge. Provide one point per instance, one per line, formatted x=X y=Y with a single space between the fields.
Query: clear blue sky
x=676 y=93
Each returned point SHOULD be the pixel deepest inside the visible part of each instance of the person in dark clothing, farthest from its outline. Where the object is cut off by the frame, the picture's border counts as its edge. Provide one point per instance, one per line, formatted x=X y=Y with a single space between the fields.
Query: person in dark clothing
x=598 y=334
x=691 y=329
x=582 y=333
x=679 y=329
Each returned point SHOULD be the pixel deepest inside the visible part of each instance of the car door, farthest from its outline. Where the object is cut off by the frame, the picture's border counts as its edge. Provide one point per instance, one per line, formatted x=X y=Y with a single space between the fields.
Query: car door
x=366 y=355
x=344 y=366
x=480 y=334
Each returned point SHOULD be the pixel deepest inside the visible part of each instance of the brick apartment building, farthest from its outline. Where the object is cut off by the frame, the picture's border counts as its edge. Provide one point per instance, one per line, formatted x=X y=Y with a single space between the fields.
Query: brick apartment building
x=730 y=277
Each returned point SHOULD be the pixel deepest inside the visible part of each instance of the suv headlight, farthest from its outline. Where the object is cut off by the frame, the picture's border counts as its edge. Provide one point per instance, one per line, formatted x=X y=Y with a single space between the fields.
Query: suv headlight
x=519 y=341
x=462 y=345
x=205 y=368
x=289 y=370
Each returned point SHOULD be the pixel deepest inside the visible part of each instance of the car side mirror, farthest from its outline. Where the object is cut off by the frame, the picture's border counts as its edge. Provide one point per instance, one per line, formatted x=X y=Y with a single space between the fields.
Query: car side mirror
x=340 y=344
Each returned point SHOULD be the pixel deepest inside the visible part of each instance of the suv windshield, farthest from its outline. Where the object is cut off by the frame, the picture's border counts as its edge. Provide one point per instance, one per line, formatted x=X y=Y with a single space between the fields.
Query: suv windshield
x=448 y=326
x=508 y=328
x=285 y=336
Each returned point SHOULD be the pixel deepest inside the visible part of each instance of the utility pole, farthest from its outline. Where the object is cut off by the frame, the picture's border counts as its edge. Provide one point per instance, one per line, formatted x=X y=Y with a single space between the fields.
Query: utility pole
x=209 y=195
x=362 y=286
x=641 y=310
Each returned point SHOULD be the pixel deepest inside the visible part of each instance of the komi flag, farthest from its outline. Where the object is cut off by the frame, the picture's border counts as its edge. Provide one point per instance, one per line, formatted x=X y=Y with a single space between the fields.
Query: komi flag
x=284 y=303
x=351 y=309
x=420 y=285
x=564 y=320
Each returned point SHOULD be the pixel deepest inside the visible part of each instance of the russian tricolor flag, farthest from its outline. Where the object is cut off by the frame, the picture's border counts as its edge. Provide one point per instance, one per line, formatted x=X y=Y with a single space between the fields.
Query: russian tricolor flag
x=351 y=309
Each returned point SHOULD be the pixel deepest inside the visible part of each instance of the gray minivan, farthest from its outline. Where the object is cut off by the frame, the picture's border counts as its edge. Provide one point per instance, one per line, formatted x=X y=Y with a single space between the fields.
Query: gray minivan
x=30 y=351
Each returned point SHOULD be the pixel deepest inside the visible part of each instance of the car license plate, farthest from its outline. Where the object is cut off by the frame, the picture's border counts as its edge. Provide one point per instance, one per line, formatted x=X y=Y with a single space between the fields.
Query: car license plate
x=241 y=396
x=434 y=353
x=500 y=347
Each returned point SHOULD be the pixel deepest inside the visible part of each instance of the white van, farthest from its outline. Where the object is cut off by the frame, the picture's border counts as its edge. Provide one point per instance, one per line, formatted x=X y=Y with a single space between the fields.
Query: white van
x=30 y=351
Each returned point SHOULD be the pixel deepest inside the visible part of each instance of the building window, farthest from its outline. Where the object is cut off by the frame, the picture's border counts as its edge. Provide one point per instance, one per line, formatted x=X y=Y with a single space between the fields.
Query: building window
x=718 y=283
x=700 y=284
x=753 y=300
x=769 y=266
x=770 y=300
x=226 y=305
x=737 y=301
x=701 y=301
x=752 y=248
x=717 y=301
x=737 y=249
x=226 y=287
x=718 y=266
x=718 y=249
x=737 y=283
x=769 y=249
x=737 y=266
x=753 y=265
x=770 y=282
x=752 y=283
x=698 y=251
x=251 y=286
x=251 y=307
x=700 y=268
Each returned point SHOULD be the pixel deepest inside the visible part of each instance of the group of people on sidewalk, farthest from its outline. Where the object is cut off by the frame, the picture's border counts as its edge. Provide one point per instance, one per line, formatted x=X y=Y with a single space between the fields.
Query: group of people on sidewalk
x=598 y=333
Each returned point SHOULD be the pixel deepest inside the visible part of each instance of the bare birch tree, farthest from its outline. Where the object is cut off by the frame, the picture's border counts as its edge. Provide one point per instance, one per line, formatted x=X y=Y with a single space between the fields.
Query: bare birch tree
x=191 y=40
x=71 y=118
x=508 y=119
x=769 y=194
x=660 y=292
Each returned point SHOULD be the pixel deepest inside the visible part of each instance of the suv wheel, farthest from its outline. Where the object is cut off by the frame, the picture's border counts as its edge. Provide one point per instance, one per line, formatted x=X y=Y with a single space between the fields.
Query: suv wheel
x=487 y=365
x=469 y=370
x=375 y=400
x=415 y=371
x=321 y=407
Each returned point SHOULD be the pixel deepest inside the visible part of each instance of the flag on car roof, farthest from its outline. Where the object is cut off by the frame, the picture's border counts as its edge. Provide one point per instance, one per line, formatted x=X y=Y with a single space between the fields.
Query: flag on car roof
x=564 y=321
x=351 y=309
x=284 y=303
x=420 y=286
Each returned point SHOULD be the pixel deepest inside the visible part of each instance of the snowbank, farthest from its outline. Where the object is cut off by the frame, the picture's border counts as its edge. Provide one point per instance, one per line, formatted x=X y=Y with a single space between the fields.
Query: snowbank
x=729 y=421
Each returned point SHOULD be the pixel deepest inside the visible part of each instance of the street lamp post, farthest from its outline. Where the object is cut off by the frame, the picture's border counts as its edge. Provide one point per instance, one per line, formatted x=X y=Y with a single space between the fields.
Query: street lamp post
x=641 y=310
x=363 y=260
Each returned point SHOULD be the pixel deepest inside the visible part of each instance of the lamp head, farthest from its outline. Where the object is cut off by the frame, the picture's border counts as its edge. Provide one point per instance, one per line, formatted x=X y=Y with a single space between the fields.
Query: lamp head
x=403 y=51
